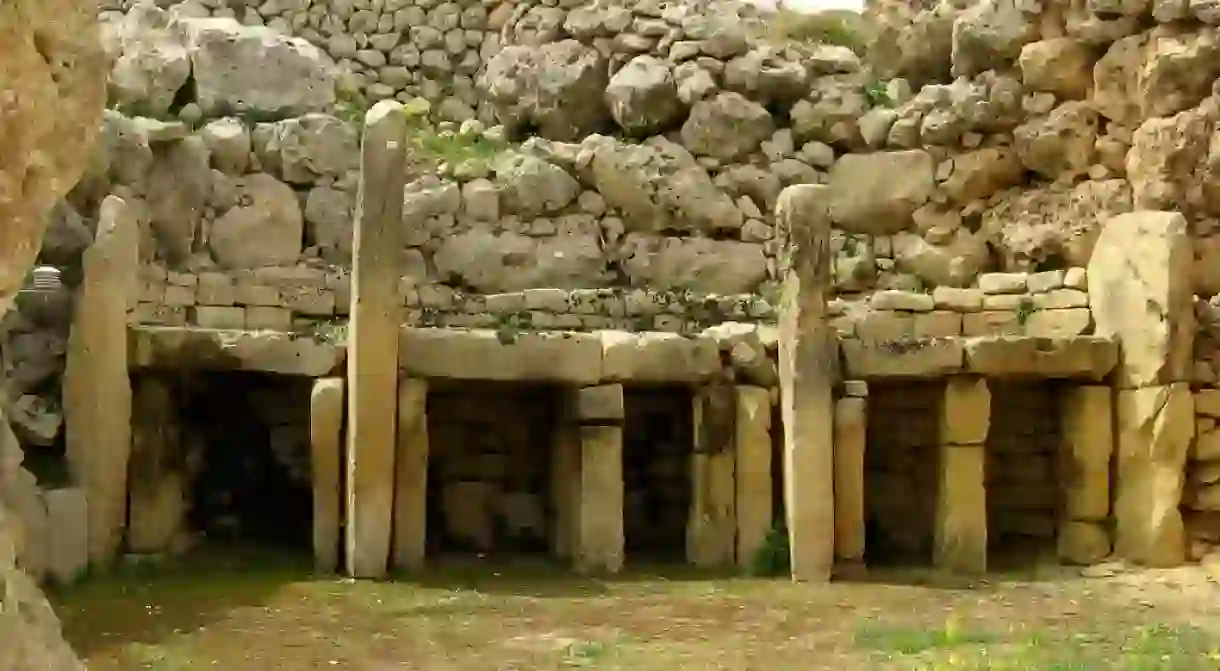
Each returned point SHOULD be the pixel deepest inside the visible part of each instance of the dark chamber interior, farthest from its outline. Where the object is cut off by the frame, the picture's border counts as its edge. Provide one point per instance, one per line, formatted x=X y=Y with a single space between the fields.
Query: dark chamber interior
x=900 y=472
x=247 y=435
x=489 y=467
x=657 y=445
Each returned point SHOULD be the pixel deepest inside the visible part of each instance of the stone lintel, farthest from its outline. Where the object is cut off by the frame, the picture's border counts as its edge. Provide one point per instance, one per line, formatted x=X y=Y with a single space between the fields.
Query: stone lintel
x=914 y=358
x=186 y=348
x=1089 y=358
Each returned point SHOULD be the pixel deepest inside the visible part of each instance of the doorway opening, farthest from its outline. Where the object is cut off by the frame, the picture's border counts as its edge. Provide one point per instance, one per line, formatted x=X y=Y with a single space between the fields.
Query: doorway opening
x=658 y=439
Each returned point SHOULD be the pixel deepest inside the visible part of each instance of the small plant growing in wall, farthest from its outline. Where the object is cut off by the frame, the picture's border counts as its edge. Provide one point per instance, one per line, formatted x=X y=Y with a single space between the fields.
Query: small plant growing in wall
x=1025 y=309
x=510 y=326
x=877 y=94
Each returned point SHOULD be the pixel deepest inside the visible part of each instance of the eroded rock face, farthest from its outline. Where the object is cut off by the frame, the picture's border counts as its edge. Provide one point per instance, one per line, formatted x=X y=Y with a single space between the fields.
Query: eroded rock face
x=556 y=87
x=52 y=74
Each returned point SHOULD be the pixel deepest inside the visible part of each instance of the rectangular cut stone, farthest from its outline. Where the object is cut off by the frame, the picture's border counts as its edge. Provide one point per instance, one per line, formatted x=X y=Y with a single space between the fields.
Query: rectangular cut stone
x=68 y=534
x=893 y=299
x=215 y=289
x=1002 y=283
x=600 y=404
x=599 y=524
x=958 y=300
x=991 y=322
x=1008 y=302
x=411 y=475
x=965 y=411
x=372 y=341
x=1045 y=281
x=178 y=296
x=215 y=317
x=1155 y=427
x=712 y=526
x=807 y=379
x=938 y=324
x=325 y=463
x=960 y=533
x=1142 y=294
x=1063 y=323
x=753 y=446
x=565 y=479
x=249 y=293
x=884 y=326
x=1060 y=299
x=97 y=394
x=851 y=425
x=268 y=318
x=1088 y=444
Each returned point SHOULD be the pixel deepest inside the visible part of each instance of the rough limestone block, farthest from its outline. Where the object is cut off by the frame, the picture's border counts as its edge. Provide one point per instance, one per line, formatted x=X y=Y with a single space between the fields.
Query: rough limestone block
x=807 y=377
x=851 y=426
x=259 y=317
x=1140 y=294
x=68 y=534
x=411 y=476
x=960 y=534
x=599 y=537
x=97 y=385
x=325 y=461
x=1088 y=445
x=754 y=487
x=712 y=527
x=1082 y=543
x=1155 y=427
x=372 y=366
x=600 y=404
x=218 y=317
x=965 y=413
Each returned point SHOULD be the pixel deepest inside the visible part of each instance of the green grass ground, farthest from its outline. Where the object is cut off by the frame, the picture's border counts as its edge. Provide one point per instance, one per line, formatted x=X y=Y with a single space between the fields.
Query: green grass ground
x=260 y=614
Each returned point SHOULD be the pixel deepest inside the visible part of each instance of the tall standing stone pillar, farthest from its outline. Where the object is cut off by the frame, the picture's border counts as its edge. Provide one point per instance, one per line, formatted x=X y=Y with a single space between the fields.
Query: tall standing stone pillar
x=1140 y=295
x=565 y=478
x=411 y=479
x=851 y=426
x=97 y=385
x=372 y=344
x=960 y=542
x=599 y=540
x=325 y=462
x=711 y=529
x=1084 y=467
x=753 y=455
x=807 y=371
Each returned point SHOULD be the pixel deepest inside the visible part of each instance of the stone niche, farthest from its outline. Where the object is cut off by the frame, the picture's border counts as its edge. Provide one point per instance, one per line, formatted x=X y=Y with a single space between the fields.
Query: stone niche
x=1022 y=470
x=220 y=457
x=658 y=440
x=489 y=467
x=900 y=471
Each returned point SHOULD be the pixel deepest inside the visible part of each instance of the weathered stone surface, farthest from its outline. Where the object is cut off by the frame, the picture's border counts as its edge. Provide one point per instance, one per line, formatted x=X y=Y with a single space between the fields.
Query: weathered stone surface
x=1155 y=426
x=267 y=229
x=176 y=347
x=1088 y=444
x=153 y=64
x=851 y=427
x=68 y=542
x=97 y=385
x=565 y=478
x=1140 y=295
x=806 y=379
x=726 y=126
x=656 y=357
x=326 y=466
x=711 y=529
x=877 y=193
x=157 y=505
x=254 y=69
x=754 y=484
x=932 y=357
x=965 y=411
x=599 y=523
x=372 y=370
x=643 y=96
x=960 y=543
x=555 y=87
x=1082 y=543
x=411 y=475
x=1088 y=357
x=480 y=354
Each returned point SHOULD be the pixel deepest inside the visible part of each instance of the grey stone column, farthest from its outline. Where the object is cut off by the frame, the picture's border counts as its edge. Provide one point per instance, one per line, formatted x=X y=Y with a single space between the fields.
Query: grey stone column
x=325 y=462
x=599 y=541
x=960 y=543
x=411 y=477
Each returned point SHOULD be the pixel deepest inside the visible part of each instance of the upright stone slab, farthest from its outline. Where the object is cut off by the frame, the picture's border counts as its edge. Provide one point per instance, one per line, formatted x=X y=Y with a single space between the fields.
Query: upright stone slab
x=411 y=476
x=96 y=385
x=1141 y=293
x=711 y=529
x=157 y=500
x=372 y=343
x=599 y=542
x=753 y=446
x=851 y=426
x=807 y=371
x=325 y=461
x=1155 y=427
x=1086 y=451
x=68 y=537
x=960 y=531
x=565 y=478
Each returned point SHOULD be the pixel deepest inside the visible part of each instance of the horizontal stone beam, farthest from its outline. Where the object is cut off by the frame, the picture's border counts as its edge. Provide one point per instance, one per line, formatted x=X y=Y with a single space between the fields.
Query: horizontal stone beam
x=177 y=347
x=1081 y=357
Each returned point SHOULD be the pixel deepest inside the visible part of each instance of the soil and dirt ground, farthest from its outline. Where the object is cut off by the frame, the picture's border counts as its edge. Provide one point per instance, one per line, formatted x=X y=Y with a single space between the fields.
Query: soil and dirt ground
x=257 y=612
